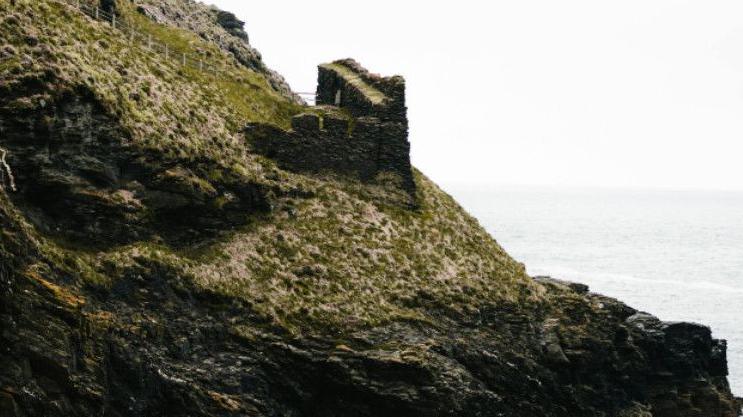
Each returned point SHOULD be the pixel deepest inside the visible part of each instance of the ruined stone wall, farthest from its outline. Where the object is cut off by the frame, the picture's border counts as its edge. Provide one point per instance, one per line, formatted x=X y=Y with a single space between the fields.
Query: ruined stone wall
x=372 y=147
x=346 y=84
x=373 y=141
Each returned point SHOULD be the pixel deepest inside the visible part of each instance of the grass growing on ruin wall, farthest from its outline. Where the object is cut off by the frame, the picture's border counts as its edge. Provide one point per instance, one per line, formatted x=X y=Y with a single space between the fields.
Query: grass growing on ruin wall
x=374 y=95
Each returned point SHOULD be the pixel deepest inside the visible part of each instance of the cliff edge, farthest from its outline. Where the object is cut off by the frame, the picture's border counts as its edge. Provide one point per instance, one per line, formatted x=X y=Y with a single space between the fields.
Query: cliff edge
x=169 y=248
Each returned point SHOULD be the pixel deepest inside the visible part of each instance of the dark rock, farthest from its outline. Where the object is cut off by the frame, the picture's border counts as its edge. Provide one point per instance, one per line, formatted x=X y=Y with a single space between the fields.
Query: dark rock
x=136 y=336
x=187 y=359
x=551 y=345
x=151 y=12
x=232 y=24
x=80 y=179
x=575 y=286
x=306 y=122
x=109 y=6
x=8 y=406
x=346 y=84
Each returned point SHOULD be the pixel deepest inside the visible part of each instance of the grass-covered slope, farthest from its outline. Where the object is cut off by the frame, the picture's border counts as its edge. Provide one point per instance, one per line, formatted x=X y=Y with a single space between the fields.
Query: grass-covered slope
x=153 y=265
x=333 y=256
x=338 y=259
x=163 y=106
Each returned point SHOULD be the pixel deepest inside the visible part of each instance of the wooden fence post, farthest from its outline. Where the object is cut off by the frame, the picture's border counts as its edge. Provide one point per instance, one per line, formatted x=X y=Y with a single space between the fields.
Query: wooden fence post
x=149 y=41
x=166 y=51
x=113 y=20
x=184 y=59
x=96 y=13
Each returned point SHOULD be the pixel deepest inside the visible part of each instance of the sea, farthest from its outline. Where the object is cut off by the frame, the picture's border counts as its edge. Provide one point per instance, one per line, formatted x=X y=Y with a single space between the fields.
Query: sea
x=675 y=254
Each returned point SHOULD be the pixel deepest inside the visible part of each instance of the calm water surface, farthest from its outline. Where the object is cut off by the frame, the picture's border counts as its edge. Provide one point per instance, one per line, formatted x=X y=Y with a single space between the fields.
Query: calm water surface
x=675 y=254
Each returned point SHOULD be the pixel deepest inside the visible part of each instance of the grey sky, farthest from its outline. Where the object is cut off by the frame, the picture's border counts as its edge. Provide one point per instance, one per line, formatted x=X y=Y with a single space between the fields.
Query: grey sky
x=590 y=93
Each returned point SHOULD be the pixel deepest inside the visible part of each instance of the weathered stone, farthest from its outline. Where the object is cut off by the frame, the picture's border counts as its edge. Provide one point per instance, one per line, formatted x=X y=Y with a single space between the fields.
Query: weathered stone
x=109 y=6
x=336 y=126
x=232 y=24
x=345 y=83
x=134 y=331
x=8 y=406
x=376 y=145
x=306 y=122
x=151 y=12
x=73 y=166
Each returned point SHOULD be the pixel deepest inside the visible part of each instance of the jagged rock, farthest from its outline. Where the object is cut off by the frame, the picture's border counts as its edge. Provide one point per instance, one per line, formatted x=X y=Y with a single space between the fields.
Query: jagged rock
x=108 y=6
x=232 y=25
x=191 y=359
x=80 y=180
x=154 y=279
x=152 y=12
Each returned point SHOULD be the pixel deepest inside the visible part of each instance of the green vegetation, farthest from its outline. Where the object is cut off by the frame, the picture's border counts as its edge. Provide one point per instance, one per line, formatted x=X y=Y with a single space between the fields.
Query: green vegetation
x=176 y=111
x=374 y=95
x=332 y=254
x=244 y=91
x=341 y=260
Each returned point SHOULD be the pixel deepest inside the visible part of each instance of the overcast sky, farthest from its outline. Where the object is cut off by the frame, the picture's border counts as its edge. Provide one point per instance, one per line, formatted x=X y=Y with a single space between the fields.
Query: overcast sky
x=632 y=93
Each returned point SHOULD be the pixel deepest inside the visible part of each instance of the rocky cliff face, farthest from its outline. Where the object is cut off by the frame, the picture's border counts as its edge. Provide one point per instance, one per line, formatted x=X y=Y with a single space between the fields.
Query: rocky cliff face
x=152 y=265
x=83 y=183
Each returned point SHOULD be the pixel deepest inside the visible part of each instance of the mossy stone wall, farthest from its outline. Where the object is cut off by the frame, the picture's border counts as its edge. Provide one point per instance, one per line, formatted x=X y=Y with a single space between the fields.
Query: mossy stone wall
x=372 y=148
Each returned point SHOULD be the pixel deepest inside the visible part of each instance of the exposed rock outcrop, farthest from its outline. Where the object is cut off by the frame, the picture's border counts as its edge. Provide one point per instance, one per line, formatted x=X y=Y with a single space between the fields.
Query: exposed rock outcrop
x=122 y=353
x=151 y=265
x=677 y=369
x=81 y=180
x=232 y=25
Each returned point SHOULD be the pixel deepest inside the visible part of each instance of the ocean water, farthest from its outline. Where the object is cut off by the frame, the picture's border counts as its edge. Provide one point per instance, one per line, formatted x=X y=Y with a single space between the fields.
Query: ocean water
x=675 y=254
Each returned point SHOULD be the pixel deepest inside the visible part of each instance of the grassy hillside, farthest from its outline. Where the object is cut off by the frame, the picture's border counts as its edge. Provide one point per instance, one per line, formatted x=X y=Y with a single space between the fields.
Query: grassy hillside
x=152 y=265
x=164 y=107
x=331 y=254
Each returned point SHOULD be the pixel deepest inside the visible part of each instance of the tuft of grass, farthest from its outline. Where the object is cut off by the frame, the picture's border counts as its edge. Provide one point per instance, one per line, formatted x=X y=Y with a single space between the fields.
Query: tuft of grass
x=164 y=108
x=374 y=95
x=245 y=91
x=342 y=260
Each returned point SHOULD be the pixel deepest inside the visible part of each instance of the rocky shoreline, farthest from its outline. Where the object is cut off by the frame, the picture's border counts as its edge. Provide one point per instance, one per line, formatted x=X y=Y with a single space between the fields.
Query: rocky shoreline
x=124 y=354
x=154 y=265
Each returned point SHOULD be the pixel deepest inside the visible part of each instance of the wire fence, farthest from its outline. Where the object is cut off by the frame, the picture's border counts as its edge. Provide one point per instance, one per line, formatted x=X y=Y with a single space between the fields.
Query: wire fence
x=158 y=49
x=162 y=51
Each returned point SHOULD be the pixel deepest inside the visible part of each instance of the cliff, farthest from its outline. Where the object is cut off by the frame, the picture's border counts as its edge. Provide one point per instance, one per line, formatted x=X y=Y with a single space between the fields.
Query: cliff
x=161 y=259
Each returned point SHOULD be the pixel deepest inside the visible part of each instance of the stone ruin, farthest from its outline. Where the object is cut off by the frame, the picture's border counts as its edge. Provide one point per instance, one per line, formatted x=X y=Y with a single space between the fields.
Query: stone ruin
x=358 y=128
